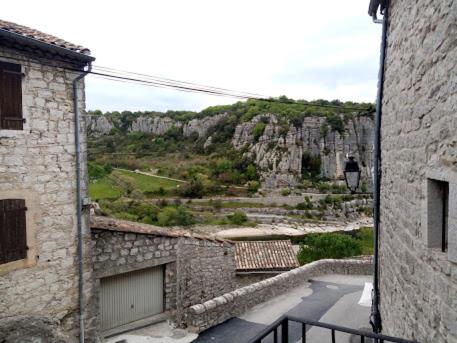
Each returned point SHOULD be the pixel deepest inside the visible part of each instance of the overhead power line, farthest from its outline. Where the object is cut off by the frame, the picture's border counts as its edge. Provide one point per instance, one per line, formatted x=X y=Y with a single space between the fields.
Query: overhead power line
x=184 y=86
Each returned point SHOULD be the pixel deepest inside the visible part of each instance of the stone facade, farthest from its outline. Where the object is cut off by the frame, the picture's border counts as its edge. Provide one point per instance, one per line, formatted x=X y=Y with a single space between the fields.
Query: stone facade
x=115 y=253
x=38 y=164
x=205 y=269
x=231 y=304
x=196 y=269
x=418 y=282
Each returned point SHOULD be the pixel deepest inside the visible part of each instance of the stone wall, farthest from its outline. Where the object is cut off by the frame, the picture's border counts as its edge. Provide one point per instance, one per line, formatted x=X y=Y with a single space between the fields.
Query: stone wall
x=116 y=253
x=246 y=278
x=225 y=306
x=196 y=268
x=205 y=269
x=419 y=126
x=38 y=164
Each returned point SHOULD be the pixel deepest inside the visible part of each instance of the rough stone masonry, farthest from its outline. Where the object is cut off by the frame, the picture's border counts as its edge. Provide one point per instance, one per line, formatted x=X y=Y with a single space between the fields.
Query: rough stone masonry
x=419 y=146
x=197 y=268
x=38 y=164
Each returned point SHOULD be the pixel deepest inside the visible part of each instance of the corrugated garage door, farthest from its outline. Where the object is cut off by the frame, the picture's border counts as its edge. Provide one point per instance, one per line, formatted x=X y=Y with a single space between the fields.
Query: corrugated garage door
x=131 y=296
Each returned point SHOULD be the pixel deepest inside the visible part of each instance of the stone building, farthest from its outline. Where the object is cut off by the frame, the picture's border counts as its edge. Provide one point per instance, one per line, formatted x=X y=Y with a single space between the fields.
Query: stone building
x=260 y=260
x=39 y=262
x=146 y=274
x=418 y=228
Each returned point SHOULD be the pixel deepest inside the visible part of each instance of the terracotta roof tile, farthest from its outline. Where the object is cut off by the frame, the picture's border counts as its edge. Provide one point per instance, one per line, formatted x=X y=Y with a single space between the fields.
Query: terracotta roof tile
x=265 y=255
x=40 y=36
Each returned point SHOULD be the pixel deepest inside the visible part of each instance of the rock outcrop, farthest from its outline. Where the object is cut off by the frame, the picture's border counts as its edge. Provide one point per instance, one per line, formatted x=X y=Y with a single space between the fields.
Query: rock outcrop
x=283 y=152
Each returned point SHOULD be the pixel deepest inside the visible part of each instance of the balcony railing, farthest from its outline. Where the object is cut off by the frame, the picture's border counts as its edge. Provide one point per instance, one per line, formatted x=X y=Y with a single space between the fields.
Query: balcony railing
x=278 y=332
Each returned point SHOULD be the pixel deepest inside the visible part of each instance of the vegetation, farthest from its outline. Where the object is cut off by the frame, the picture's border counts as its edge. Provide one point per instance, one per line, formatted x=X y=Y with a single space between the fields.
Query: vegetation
x=258 y=130
x=207 y=167
x=318 y=246
x=108 y=183
x=206 y=170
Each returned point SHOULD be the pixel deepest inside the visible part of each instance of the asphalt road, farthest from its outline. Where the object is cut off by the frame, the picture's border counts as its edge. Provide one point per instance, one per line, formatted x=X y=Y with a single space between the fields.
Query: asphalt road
x=336 y=302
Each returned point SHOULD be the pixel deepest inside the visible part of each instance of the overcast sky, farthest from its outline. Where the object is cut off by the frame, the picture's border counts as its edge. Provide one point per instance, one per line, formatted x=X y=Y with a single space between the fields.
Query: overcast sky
x=303 y=49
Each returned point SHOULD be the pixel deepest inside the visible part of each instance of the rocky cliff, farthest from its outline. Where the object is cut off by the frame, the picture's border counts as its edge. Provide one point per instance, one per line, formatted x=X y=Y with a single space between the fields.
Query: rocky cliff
x=283 y=150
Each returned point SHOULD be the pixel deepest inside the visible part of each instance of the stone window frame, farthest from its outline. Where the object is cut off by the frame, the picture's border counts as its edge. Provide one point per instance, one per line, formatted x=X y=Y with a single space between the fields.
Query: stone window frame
x=30 y=217
x=25 y=113
x=427 y=221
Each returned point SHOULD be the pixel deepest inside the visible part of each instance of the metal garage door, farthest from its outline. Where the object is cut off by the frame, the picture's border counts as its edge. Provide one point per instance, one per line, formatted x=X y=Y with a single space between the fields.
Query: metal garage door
x=131 y=296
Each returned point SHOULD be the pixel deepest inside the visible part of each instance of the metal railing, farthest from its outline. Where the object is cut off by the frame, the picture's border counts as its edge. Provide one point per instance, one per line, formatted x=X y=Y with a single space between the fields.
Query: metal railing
x=279 y=332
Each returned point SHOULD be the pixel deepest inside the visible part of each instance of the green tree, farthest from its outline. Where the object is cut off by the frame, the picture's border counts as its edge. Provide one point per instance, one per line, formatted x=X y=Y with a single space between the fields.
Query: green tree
x=329 y=245
x=258 y=130
x=193 y=189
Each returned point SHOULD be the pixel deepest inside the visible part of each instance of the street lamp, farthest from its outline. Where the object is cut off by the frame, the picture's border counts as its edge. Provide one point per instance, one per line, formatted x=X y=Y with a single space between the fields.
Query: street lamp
x=352 y=174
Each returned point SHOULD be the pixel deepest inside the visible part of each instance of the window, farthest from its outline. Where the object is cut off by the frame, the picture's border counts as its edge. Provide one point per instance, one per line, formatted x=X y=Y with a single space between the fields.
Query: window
x=13 y=238
x=438 y=214
x=11 y=97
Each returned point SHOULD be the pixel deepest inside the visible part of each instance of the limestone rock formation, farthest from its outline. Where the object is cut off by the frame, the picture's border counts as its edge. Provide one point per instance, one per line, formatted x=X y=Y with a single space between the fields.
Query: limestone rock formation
x=284 y=151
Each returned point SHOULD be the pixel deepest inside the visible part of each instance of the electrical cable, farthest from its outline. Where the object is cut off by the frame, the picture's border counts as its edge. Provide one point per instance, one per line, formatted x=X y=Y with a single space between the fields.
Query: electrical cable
x=193 y=87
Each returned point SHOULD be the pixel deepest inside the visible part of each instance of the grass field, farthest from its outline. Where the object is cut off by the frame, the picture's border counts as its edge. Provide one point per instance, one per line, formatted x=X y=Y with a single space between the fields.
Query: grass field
x=104 y=188
x=119 y=182
x=146 y=183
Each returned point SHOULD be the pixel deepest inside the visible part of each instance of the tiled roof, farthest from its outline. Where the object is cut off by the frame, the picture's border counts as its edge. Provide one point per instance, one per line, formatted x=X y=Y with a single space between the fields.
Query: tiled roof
x=112 y=224
x=28 y=32
x=265 y=255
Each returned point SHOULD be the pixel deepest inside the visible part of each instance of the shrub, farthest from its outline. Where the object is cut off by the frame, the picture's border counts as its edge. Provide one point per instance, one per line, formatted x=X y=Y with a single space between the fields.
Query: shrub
x=253 y=186
x=307 y=184
x=306 y=205
x=285 y=192
x=364 y=187
x=258 y=130
x=328 y=245
x=193 y=189
x=171 y=215
x=238 y=218
x=96 y=171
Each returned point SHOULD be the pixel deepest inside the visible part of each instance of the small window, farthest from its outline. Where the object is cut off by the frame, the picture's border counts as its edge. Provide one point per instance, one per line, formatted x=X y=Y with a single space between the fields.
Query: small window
x=438 y=214
x=13 y=238
x=11 y=97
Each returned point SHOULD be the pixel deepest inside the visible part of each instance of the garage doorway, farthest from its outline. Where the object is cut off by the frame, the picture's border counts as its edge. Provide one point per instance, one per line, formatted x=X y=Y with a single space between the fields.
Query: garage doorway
x=132 y=296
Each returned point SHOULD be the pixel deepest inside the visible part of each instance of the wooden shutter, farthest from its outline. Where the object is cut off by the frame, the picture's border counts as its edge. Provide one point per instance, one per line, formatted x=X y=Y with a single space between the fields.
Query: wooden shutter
x=13 y=237
x=11 y=96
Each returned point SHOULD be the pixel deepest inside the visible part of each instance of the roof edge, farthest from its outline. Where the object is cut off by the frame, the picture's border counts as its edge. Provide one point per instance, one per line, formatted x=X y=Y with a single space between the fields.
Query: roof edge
x=125 y=226
x=70 y=54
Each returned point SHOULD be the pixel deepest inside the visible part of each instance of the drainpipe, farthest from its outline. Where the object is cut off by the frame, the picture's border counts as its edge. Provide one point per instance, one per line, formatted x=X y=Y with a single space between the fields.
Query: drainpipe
x=79 y=204
x=375 y=319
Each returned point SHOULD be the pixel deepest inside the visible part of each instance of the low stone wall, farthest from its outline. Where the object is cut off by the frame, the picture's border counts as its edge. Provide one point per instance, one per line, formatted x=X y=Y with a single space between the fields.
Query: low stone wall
x=215 y=311
x=246 y=279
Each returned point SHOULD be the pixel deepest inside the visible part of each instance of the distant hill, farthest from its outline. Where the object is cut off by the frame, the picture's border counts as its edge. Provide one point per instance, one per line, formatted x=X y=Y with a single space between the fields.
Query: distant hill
x=278 y=144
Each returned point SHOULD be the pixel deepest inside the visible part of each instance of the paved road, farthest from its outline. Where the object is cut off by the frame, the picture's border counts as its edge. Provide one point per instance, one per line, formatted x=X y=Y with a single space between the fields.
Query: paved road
x=331 y=299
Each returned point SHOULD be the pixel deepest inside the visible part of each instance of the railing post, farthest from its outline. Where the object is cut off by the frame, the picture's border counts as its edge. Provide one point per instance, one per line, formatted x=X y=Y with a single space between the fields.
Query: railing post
x=285 y=331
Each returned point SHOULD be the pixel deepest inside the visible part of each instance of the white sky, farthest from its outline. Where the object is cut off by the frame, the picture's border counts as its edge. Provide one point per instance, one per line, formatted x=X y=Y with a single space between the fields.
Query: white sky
x=303 y=49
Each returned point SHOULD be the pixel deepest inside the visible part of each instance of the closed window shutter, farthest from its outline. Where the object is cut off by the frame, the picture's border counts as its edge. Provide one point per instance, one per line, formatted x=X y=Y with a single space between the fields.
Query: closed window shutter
x=13 y=232
x=10 y=96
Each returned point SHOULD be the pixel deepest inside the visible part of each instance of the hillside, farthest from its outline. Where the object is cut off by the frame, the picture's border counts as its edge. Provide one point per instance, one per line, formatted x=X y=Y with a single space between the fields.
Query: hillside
x=279 y=145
